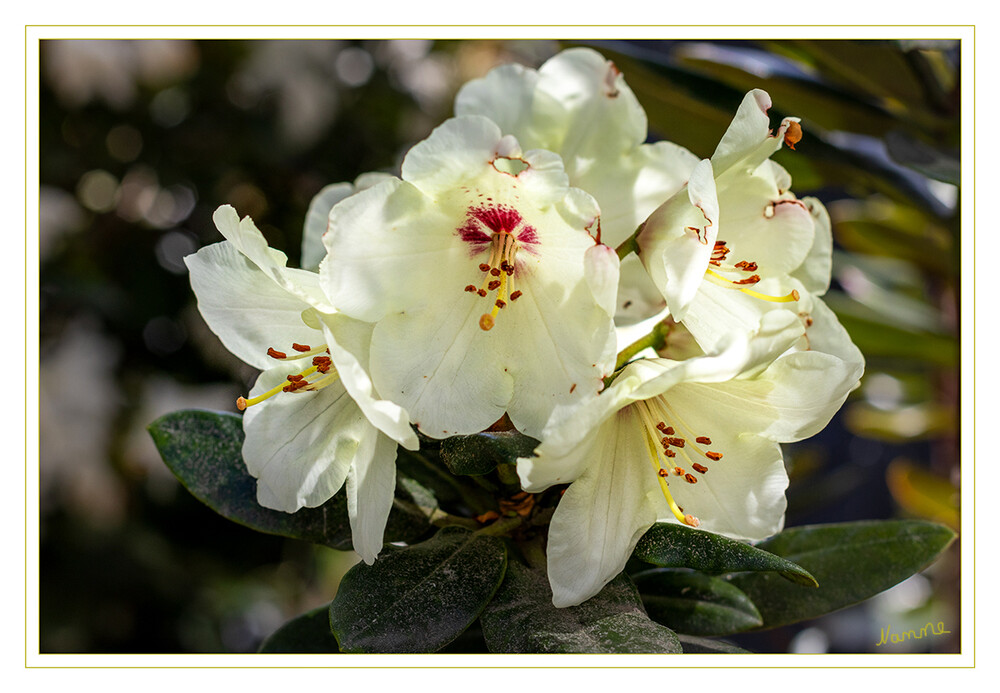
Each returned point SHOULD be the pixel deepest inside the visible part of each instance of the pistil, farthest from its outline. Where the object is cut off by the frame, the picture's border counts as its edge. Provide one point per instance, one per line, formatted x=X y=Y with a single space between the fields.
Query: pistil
x=746 y=282
x=499 y=276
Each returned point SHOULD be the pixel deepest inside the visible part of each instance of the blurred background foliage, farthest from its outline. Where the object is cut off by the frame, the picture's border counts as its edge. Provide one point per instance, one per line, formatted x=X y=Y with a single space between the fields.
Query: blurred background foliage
x=141 y=140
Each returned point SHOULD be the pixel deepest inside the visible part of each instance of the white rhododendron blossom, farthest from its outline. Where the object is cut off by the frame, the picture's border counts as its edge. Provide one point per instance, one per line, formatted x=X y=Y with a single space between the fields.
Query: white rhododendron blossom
x=693 y=441
x=736 y=243
x=306 y=435
x=578 y=105
x=487 y=290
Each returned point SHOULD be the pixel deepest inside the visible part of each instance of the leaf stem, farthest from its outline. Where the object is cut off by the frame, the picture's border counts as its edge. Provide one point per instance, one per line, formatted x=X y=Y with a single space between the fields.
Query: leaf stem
x=508 y=474
x=440 y=518
x=630 y=244
x=656 y=339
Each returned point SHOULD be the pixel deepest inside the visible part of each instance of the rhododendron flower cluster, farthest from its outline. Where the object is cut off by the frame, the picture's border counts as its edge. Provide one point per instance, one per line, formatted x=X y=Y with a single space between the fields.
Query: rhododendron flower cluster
x=488 y=285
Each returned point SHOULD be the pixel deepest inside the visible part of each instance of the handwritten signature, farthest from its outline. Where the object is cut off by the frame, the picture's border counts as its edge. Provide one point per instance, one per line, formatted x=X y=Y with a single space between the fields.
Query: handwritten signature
x=888 y=636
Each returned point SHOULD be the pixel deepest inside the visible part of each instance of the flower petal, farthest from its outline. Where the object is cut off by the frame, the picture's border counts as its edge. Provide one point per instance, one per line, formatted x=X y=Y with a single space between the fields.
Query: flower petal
x=718 y=312
x=631 y=185
x=400 y=250
x=639 y=298
x=816 y=269
x=349 y=344
x=601 y=269
x=601 y=114
x=459 y=149
x=248 y=239
x=762 y=226
x=798 y=393
x=743 y=494
x=317 y=218
x=507 y=95
x=299 y=446
x=748 y=141
x=451 y=384
x=371 y=485
x=602 y=515
x=677 y=240
x=247 y=312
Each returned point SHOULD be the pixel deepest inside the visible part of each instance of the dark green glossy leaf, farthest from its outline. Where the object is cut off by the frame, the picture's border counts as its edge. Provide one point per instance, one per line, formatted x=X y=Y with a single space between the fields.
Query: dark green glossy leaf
x=480 y=453
x=521 y=618
x=691 y=96
x=204 y=451
x=671 y=545
x=871 y=70
x=826 y=107
x=306 y=634
x=418 y=598
x=931 y=161
x=852 y=561
x=469 y=642
x=695 y=603
x=693 y=644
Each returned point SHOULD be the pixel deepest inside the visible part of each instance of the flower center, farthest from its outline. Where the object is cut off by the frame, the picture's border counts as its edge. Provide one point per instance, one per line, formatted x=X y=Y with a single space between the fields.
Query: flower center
x=671 y=445
x=501 y=230
x=743 y=269
x=298 y=382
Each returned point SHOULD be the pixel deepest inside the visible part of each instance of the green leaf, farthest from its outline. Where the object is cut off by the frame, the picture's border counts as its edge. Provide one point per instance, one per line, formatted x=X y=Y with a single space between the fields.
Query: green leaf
x=876 y=71
x=306 y=634
x=673 y=546
x=418 y=598
x=480 y=453
x=933 y=162
x=695 y=603
x=852 y=561
x=695 y=645
x=204 y=451
x=521 y=618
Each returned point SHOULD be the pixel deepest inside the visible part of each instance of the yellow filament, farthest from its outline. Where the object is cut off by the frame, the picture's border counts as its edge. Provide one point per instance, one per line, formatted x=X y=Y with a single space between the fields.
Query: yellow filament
x=654 y=457
x=328 y=379
x=688 y=432
x=719 y=280
x=487 y=320
x=788 y=298
x=242 y=403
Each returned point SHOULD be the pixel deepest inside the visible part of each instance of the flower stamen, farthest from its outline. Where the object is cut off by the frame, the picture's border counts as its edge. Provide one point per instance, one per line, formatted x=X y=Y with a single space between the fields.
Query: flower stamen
x=503 y=228
x=297 y=382
x=304 y=351
x=661 y=472
x=678 y=445
x=504 y=249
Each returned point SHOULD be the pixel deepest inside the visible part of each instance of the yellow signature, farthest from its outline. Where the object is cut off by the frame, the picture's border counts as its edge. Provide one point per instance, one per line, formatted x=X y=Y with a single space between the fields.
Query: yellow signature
x=888 y=636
